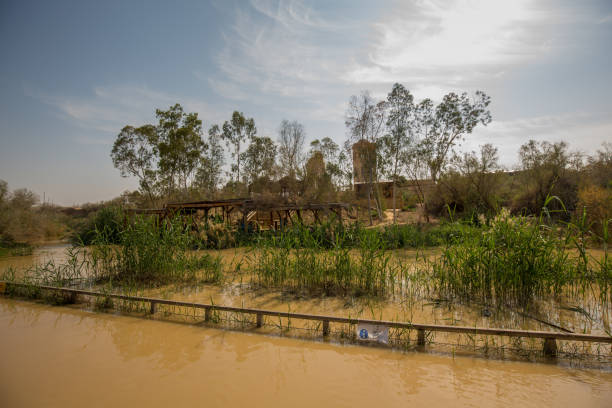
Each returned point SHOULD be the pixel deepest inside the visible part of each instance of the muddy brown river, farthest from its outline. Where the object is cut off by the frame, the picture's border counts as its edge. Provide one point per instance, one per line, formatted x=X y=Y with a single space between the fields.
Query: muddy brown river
x=67 y=357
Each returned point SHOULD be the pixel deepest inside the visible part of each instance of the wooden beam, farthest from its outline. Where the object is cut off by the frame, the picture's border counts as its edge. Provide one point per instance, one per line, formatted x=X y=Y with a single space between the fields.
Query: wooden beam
x=487 y=331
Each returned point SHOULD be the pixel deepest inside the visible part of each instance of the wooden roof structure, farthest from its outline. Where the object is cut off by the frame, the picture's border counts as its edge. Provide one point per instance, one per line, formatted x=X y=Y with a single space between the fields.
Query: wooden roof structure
x=244 y=211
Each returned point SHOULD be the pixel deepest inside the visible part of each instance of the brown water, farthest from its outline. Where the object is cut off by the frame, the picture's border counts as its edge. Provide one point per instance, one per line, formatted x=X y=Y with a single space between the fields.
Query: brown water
x=65 y=357
x=236 y=291
x=55 y=252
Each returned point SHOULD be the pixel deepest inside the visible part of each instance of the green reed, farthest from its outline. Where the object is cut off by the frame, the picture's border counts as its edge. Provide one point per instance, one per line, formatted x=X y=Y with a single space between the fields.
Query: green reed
x=333 y=234
x=152 y=253
x=316 y=270
x=519 y=260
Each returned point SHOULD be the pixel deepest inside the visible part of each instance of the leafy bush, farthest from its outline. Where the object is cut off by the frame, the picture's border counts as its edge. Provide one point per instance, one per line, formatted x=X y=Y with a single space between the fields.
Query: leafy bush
x=107 y=221
x=596 y=204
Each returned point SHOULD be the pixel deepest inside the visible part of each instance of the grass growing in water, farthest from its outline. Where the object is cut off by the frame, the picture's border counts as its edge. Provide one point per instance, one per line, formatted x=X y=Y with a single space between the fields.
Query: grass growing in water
x=332 y=234
x=153 y=254
x=516 y=261
x=316 y=270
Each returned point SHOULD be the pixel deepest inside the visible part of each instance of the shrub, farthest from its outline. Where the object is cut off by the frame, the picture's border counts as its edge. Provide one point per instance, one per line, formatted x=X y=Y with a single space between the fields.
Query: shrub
x=596 y=203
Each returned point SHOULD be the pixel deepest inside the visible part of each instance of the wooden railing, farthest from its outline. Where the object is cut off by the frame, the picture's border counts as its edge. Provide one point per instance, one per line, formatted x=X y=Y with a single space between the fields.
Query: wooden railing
x=549 y=337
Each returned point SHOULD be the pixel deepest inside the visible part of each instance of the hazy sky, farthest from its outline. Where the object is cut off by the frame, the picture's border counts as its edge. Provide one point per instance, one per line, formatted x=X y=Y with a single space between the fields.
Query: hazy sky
x=72 y=74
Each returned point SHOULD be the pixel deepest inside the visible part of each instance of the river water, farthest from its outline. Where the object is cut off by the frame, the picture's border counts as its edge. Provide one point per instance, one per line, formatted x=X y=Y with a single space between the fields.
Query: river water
x=66 y=357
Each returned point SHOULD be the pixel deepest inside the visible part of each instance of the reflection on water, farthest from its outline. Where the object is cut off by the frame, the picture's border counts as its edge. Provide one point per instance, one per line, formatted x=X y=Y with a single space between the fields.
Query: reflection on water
x=67 y=357
x=40 y=255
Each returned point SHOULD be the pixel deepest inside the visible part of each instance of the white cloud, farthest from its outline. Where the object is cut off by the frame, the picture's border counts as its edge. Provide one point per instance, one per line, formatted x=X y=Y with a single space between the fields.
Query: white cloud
x=454 y=42
x=292 y=14
x=584 y=132
x=279 y=50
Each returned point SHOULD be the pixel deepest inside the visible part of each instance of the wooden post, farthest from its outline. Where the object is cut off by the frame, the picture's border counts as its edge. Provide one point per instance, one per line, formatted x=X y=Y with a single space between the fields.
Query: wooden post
x=325 y=328
x=259 y=319
x=550 y=347
x=207 y=314
x=153 y=307
x=421 y=337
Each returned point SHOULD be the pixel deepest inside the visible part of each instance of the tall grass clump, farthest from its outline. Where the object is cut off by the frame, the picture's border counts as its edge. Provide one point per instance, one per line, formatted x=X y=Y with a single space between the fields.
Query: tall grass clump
x=514 y=262
x=152 y=253
x=107 y=219
x=316 y=270
x=333 y=234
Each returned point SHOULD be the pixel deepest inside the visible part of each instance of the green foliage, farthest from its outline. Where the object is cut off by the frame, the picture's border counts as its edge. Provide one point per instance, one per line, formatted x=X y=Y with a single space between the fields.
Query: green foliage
x=148 y=253
x=167 y=157
x=236 y=132
x=325 y=271
x=107 y=221
x=24 y=221
x=515 y=262
x=134 y=154
x=259 y=159
x=332 y=234
x=547 y=169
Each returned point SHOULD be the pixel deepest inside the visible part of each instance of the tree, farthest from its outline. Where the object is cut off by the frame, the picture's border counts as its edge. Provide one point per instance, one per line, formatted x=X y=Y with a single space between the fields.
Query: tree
x=209 y=172
x=365 y=119
x=259 y=159
x=400 y=119
x=134 y=153
x=547 y=169
x=482 y=171
x=180 y=146
x=472 y=183
x=599 y=166
x=440 y=129
x=235 y=132
x=291 y=138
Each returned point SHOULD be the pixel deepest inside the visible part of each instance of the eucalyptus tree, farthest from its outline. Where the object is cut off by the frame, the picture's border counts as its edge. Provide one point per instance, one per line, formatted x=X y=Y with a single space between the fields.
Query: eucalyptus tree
x=442 y=127
x=180 y=146
x=134 y=153
x=235 y=133
x=259 y=159
x=396 y=143
x=365 y=121
x=291 y=136
x=208 y=175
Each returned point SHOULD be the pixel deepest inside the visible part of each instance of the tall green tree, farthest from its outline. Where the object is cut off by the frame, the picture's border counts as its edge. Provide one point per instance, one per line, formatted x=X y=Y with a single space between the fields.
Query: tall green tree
x=259 y=159
x=442 y=127
x=208 y=175
x=235 y=132
x=134 y=153
x=395 y=144
x=180 y=146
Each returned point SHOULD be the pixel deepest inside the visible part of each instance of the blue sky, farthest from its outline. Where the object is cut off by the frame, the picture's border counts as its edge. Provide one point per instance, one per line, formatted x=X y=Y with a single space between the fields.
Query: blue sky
x=74 y=73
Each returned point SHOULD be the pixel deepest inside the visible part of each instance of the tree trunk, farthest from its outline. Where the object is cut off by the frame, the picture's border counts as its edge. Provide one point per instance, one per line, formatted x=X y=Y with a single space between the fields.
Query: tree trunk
x=370 y=202
x=394 y=206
